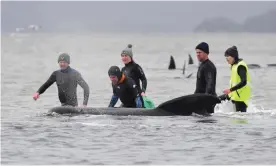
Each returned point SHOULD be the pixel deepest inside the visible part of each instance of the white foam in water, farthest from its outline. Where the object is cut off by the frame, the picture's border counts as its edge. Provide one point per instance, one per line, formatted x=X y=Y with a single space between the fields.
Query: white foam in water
x=228 y=108
x=225 y=107
x=96 y=124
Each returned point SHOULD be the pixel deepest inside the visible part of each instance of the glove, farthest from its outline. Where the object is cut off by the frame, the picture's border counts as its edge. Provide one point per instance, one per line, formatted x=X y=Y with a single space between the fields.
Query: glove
x=223 y=97
x=36 y=96
x=113 y=101
x=138 y=102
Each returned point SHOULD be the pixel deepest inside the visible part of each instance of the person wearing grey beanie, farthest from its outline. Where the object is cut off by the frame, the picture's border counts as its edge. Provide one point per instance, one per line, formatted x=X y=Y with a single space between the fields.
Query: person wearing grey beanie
x=64 y=57
x=133 y=70
x=128 y=51
x=67 y=80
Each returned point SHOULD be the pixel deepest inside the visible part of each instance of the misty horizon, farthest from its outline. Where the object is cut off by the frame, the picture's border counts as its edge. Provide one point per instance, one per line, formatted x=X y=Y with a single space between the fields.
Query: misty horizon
x=123 y=16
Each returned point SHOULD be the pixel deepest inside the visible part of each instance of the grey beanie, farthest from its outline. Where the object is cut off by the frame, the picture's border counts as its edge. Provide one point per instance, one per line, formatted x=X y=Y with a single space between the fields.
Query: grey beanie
x=64 y=57
x=128 y=51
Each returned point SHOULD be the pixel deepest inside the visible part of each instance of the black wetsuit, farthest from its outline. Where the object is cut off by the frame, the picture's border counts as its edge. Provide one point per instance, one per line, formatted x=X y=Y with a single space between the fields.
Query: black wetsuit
x=206 y=78
x=67 y=81
x=240 y=106
x=127 y=92
x=134 y=71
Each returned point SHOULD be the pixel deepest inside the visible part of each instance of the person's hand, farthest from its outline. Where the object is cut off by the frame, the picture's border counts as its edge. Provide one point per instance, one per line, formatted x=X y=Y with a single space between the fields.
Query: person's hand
x=222 y=97
x=143 y=94
x=36 y=96
x=226 y=91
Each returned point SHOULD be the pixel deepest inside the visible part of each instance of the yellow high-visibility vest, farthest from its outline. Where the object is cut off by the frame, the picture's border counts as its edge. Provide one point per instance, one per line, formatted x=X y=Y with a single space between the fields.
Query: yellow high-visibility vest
x=244 y=93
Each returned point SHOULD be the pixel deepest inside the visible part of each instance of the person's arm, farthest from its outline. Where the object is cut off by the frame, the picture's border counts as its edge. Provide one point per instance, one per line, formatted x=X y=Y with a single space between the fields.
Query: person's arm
x=197 y=79
x=242 y=74
x=209 y=75
x=138 y=102
x=48 y=83
x=197 y=83
x=133 y=87
x=114 y=99
x=142 y=77
x=45 y=86
x=85 y=87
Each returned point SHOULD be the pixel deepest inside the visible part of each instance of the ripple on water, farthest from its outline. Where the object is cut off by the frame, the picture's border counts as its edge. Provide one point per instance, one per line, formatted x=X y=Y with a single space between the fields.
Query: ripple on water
x=29 y=136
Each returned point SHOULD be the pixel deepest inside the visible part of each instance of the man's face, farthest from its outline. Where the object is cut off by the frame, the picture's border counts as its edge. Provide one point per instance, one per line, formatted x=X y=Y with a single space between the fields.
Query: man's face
x=63 y=65
x=114 y=79
x=201 y=56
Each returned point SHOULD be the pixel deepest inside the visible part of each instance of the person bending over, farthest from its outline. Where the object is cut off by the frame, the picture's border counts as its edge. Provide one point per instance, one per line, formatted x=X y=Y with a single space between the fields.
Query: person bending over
x=124 y=88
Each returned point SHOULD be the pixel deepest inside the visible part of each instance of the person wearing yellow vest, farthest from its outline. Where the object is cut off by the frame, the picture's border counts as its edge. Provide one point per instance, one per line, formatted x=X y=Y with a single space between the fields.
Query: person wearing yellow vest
x=239 y=91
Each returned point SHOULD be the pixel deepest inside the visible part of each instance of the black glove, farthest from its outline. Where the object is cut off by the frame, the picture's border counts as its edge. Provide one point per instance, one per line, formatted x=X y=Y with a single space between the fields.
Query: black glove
x=223 y=97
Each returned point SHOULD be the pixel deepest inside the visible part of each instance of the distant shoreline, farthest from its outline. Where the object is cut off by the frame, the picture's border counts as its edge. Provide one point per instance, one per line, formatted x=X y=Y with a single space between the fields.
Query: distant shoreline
x=264 y=23
x=139 y=33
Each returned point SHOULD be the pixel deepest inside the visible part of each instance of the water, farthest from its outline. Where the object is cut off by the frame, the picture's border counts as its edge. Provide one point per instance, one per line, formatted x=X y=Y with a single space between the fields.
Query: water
x=30 y=137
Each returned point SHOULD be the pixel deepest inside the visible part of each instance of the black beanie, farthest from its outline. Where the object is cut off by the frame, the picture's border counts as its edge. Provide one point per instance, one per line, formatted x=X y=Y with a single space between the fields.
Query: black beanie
x=203 y=47
x=233 y=52
x=115 y=71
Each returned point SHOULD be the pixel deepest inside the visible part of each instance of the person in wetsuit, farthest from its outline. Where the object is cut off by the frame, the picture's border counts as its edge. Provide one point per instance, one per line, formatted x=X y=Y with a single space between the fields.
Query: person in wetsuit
x=207 y=72
x=67 y=80
x=133 y=70
x=239 y=91
x=124 y=88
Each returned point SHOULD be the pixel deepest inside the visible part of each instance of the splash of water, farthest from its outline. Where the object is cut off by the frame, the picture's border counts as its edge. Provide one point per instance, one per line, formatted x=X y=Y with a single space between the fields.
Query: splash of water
x=228 y=108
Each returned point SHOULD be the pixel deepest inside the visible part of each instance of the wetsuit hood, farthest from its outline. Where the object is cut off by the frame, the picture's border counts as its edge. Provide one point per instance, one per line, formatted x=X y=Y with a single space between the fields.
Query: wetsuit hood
x=115 y=71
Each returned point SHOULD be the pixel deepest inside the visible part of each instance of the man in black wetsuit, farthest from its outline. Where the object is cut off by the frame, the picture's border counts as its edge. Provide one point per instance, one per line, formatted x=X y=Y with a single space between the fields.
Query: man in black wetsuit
x=67 y=80
x=207 y=72
x=133 y=70
x=124 y=88
x=239 y=91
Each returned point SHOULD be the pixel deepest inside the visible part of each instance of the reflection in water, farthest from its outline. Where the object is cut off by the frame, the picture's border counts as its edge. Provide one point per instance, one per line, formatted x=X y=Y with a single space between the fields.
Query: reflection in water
x=240 y=121
x=206 y=121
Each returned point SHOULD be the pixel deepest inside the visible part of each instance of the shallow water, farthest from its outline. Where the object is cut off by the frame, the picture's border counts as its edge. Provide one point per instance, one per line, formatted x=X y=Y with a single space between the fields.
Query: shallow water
x=29 y=136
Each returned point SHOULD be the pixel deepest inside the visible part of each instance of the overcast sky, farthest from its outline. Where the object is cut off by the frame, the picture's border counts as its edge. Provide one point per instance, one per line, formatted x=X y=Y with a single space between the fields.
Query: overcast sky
x=139 y=16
